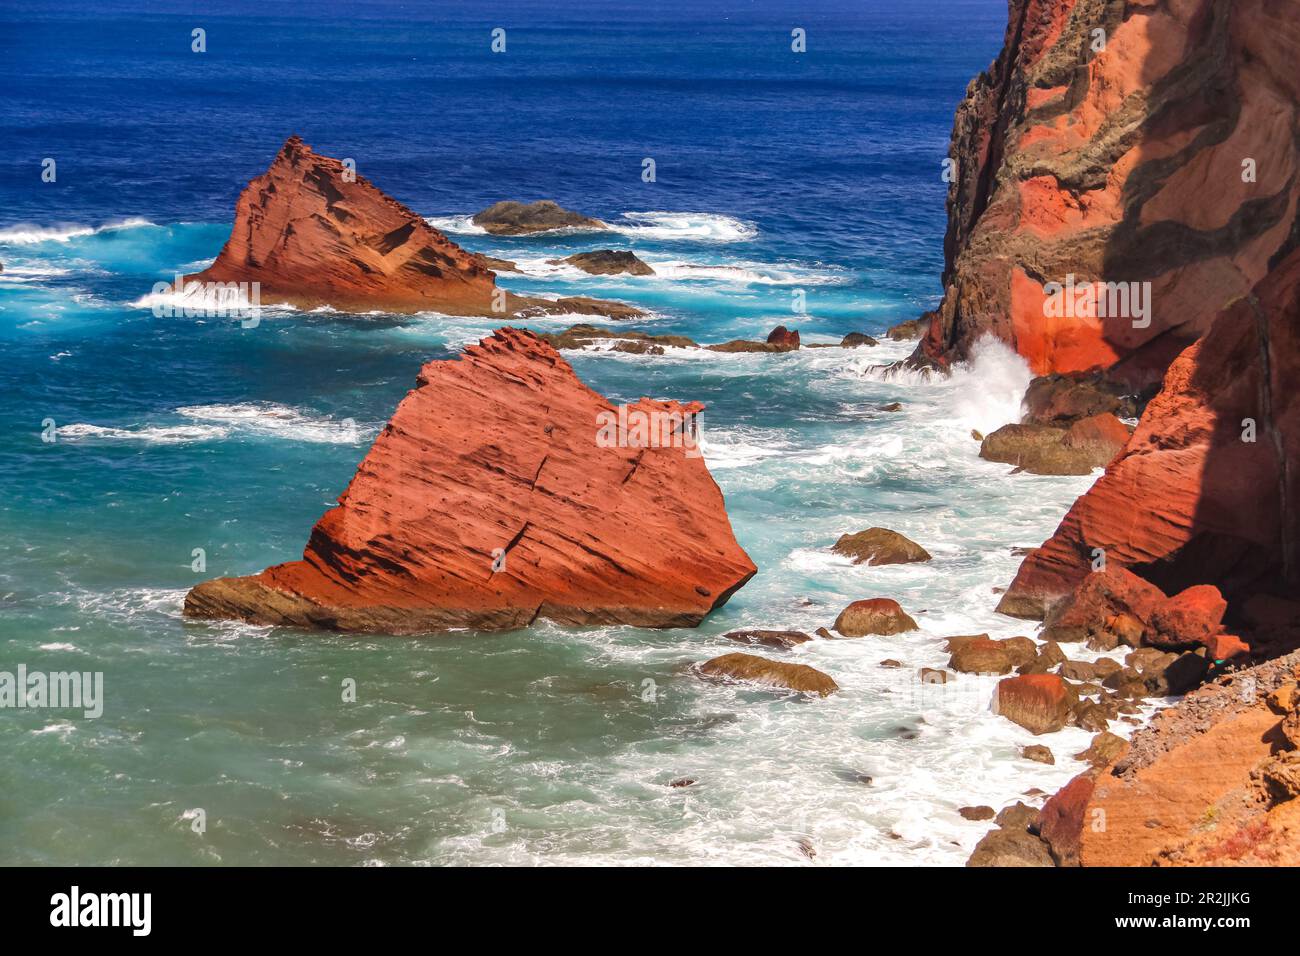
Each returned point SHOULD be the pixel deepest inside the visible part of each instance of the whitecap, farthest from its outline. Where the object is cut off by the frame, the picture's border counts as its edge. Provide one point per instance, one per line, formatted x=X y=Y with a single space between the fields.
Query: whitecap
x=689 y=226
x=28 y=234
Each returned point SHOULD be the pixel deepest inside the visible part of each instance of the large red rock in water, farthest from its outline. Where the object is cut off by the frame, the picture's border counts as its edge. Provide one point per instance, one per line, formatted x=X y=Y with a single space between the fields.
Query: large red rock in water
x=1168 y=156
x=1207 y=490
x=313 y=233
x=489 y=500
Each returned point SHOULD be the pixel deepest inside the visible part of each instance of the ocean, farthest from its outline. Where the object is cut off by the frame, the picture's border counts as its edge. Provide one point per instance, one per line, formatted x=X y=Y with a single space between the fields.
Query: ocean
x=779 y=176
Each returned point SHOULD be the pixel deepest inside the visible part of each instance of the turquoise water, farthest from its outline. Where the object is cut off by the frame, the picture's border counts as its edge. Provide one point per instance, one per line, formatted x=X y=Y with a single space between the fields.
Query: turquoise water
x=547 y=745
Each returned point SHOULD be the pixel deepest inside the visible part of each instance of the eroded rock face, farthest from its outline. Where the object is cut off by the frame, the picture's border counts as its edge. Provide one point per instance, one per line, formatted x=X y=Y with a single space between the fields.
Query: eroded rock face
x=488 y=501
x=1207 y=490
x=1122 y=165
x=510 y=218
x=312 y=233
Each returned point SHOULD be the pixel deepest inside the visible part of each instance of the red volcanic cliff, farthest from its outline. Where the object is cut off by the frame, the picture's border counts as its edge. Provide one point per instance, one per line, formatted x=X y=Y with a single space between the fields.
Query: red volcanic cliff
x=493 y=498
x=1208 y=488
x=1169 y=156
x=313 y=233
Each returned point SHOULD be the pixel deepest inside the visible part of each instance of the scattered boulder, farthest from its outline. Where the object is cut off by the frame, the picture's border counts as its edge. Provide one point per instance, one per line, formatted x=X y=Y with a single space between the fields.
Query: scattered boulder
x=532 y=308
x=875 y=616
x=607 y=262
x=1189 y=618
x=1090 y=715
x=1041 y=703
x=781 y=639
x=933 y=675
x=1112 y=598
x=1038 y=753
x=857 y=340
x=892 y=407
x=510 y=218
x=783 y=337
x=750 y=669
x=890 y=662
x=1105 y=749
x=1015 y=842
x=1048 y=450
x=879 y=546
x=981 y=655
x=578 y=337
x=1061 y=398
x=910 y=329
x=1167 y=674
x=1227 y=649
x=1060 y=823
x=977 y=813
x=497 y=265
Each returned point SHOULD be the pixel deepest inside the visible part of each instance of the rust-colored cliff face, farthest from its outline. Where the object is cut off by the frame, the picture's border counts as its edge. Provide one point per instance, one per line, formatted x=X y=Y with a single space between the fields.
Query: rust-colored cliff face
x=1169 y=157
x=1208 y=488
x=503 y=490
x=315 y=234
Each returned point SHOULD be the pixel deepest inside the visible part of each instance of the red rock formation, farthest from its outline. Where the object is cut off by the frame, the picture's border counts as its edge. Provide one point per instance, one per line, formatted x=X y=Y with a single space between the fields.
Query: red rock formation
x=491 y=499
x=1207 y=490
x=783 y=337
x=1038 y=702
x=314 y=233
x=1125 y=164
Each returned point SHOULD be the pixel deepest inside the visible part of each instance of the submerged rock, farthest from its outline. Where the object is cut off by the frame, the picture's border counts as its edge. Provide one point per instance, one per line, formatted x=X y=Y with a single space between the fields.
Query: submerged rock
x=782 y=639
x=608 y=262
x=856 y=340
x=1038 y=753
x=759 y=670
x=488 y=502
x=510 y=218
x=874 y=616
x=879 y=546
x=578 y=337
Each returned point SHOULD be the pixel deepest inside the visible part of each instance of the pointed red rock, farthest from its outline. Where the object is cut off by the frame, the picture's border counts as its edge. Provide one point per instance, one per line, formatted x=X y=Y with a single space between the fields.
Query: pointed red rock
x=314 y=233
x=489 y=501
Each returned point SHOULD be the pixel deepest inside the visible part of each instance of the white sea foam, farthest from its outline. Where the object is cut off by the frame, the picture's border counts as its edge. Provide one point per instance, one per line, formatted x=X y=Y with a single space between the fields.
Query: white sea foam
x=688 y=226
x=280 y=421
x=152 y=434
x=24 y=235
x=464 y=225
x=668 y=226
x=217 y=422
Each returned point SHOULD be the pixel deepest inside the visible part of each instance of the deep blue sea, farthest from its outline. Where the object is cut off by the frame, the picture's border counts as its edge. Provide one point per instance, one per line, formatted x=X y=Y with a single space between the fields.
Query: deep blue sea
x=777 y=173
